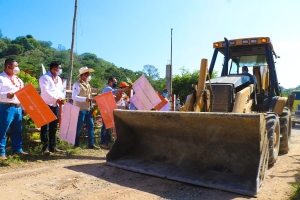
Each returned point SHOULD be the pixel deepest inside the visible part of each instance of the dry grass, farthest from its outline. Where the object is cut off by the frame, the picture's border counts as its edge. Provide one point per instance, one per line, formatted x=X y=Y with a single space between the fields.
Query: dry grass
x=34 y=148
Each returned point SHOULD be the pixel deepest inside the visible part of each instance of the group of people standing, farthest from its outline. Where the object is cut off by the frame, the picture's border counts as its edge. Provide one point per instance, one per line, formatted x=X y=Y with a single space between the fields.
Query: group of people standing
x=52 y=93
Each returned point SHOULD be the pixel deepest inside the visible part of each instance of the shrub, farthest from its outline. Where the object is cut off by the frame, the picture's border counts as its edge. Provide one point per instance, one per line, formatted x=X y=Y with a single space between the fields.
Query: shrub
x=27 y=78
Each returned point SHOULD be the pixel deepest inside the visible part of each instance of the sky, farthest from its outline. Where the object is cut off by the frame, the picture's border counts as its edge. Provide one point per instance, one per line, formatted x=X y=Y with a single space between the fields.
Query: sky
x=134 y=33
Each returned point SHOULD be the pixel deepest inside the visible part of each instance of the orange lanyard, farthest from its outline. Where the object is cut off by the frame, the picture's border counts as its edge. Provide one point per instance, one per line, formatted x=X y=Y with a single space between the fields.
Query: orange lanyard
x=13 y=82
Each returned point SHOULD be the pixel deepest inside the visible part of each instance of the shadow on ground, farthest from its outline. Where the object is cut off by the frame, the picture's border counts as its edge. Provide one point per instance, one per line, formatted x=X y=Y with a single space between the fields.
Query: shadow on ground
x=163 y=188
x=42 y=158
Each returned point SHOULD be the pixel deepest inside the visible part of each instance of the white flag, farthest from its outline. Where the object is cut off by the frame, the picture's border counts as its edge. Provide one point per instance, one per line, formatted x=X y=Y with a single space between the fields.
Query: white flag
x=43 y=68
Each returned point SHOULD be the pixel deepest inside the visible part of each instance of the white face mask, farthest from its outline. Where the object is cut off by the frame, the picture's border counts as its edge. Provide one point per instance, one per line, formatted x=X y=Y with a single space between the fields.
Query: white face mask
x=59 y=72
x=16 y=70
x=89 y=78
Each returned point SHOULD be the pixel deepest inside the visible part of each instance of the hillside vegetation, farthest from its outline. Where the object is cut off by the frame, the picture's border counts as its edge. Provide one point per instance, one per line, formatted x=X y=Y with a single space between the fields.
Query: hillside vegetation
x=31 y=54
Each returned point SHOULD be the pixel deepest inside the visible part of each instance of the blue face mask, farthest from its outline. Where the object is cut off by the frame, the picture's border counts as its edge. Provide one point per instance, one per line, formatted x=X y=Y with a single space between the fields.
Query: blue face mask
x=178 y=102
x=164 y=94
x=114 y=85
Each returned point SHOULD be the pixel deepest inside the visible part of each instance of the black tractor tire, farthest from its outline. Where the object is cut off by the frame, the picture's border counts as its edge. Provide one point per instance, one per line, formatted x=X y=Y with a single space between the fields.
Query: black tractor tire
x=285 y=130
x=273 y=131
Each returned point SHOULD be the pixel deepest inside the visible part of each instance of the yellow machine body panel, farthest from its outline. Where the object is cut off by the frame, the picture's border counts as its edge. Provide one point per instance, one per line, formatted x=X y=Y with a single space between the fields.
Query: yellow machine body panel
x=280 y=103
x=296 y=101
x=296 y=107
x=243 y=102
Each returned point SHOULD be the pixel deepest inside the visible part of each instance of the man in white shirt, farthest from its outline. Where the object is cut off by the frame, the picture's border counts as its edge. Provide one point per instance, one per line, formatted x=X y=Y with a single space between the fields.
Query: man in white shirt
x=81 y=96
x=52 y=93
x=10 y=108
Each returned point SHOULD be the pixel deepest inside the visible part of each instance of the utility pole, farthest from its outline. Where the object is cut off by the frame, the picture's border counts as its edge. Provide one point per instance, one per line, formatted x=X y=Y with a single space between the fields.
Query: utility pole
x=171 y=59
x=72 y=46
x=169 y=72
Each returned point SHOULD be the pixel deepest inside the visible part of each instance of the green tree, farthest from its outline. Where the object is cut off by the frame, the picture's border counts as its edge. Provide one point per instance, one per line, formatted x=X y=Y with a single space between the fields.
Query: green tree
x=27 y=78
x=34 y=43
x=6 y=40
x=3 y=45
x=31 y=53
x=61 y=47
x=112 y=72
x=138 y=74
x=63 y=55
x=27 y=43
x=45 y=44
x=126 y=73
x=90 y=56
x=182 y=83
x=24 y=42
x=14 y=49
x=158 y=85
x=151 y=72
x=35 y=56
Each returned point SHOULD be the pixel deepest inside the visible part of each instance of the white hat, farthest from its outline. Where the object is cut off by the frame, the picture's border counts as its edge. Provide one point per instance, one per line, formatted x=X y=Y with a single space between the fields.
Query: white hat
x=85 y=69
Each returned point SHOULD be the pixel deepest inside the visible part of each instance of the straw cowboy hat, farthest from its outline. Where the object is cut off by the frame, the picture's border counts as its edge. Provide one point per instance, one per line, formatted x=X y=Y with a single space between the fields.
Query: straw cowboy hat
x=85 y=69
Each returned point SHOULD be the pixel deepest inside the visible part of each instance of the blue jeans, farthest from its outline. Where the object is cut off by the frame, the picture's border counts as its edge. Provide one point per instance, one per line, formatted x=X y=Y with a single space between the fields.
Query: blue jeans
x=105 y=135
x=85 y=116
x=10 y=116
x=52 y=128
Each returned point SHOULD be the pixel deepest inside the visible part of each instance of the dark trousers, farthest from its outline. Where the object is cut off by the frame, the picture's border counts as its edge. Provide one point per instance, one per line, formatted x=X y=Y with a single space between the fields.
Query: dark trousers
x=52 y=128
x=105 y=134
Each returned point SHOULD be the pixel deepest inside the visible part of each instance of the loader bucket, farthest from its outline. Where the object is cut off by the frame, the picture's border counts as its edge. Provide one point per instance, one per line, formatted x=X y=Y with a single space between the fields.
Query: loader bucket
x=227 y=151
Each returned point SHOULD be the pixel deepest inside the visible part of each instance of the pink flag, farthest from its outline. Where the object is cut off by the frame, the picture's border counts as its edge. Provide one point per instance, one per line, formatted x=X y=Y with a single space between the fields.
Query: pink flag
x=68 y=125
x=145 y=97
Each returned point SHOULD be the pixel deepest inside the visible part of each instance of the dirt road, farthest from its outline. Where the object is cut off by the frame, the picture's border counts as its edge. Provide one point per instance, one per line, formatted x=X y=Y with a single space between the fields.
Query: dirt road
x=87 y=177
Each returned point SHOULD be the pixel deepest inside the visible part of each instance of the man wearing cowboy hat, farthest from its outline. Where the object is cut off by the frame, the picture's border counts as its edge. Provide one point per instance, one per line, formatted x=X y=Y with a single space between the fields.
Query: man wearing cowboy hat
x=52 y=93
x=81 y=96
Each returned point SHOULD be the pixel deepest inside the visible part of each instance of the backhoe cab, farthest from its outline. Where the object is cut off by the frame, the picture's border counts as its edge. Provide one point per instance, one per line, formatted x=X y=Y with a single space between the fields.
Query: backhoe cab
x=258 y=55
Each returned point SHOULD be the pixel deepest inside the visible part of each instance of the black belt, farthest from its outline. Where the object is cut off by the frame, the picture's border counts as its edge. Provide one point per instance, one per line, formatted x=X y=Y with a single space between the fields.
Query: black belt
x=11 y=104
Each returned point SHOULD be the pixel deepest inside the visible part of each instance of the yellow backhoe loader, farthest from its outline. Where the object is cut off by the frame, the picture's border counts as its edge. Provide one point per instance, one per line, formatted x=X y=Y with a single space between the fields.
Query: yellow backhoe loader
x=230 y=129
